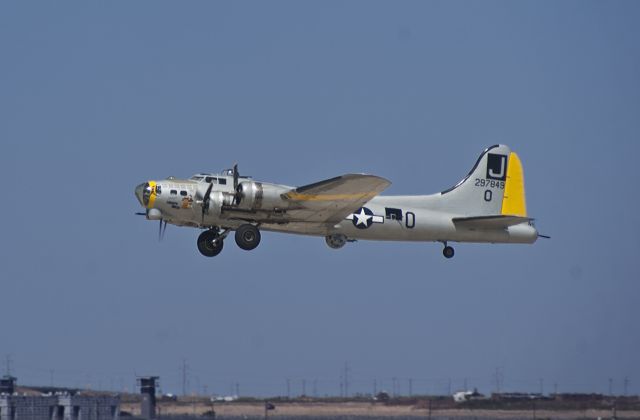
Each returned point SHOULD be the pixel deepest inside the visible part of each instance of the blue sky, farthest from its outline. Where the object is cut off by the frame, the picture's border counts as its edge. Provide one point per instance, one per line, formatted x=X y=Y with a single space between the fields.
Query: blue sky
x=96 y=98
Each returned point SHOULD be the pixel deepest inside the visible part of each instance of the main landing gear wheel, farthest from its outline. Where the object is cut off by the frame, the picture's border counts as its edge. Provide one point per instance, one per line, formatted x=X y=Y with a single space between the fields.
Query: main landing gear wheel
x=448 y=252
x=247 y=237
x=209 y=243
x=335 y=241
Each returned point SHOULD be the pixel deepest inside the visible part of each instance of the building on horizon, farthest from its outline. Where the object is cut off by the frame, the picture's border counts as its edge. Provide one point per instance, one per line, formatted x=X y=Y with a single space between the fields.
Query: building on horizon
x=55 y=406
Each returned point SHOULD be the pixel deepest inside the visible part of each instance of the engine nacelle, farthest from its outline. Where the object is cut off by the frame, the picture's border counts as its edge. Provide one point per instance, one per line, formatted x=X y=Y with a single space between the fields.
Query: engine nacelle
x=260 y=196
x=154 y=214
x=216 y=201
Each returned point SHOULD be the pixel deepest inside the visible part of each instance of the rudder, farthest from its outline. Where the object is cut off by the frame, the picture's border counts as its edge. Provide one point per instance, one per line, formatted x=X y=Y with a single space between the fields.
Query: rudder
x=514 y=202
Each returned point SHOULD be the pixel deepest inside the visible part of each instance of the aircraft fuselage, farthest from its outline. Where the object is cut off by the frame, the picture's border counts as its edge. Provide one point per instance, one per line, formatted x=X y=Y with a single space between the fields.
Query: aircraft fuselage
x=488 y=206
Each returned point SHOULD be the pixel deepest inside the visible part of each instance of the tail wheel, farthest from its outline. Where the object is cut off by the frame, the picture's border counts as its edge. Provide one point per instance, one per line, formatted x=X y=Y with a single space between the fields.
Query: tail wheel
x=209 y=243
x=247 y=237
x=448 y=252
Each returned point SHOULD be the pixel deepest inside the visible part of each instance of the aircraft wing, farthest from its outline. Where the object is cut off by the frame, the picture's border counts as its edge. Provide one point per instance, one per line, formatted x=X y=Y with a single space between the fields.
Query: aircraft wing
x=489 y=222
x=333 y=199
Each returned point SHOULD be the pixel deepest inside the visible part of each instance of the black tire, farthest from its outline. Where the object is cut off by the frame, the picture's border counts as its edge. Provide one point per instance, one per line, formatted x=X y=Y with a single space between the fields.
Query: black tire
x=247 y=237
x=448 y=252
x=206 y=244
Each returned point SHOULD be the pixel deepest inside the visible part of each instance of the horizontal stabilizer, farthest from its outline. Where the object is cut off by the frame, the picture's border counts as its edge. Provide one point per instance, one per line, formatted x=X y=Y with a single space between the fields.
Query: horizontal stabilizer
x=489 y=222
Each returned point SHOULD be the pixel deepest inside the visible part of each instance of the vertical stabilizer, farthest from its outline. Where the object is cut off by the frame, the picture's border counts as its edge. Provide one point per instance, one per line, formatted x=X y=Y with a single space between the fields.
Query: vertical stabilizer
x=493 y=187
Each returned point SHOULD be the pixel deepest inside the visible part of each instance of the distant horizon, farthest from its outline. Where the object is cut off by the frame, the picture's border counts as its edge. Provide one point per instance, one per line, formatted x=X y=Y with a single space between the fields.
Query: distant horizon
x=401 y=389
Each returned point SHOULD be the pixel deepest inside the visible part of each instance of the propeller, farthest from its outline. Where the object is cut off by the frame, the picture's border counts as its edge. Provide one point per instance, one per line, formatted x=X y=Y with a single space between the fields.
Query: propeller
x=235 y=176
x=162 y=228
x=205 y=201
x=236 y=187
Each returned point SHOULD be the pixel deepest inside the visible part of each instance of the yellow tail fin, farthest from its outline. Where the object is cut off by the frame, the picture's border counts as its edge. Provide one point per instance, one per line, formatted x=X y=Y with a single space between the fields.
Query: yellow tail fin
x=514 y=201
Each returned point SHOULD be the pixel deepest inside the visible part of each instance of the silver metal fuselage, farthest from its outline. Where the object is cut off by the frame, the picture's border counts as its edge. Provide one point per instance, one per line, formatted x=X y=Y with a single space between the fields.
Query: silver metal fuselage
x=421 y=217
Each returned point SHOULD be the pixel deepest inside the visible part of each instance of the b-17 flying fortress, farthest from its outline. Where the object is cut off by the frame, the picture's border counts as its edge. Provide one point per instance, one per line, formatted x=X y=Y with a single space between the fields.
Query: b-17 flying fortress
x=487 y=206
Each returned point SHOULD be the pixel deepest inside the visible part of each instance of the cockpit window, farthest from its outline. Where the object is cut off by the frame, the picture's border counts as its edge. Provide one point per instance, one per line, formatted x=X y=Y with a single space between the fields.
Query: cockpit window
x=183 y=193
x=196 y=178
x=211 y=179
x=173 y=192
x=158 y=190
x=222 y=181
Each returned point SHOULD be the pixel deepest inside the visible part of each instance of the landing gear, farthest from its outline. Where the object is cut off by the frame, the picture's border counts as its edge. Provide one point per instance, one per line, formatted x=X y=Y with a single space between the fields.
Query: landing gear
x=448 y=251
x=335 y=241
x=210 y=243
x=247 y=237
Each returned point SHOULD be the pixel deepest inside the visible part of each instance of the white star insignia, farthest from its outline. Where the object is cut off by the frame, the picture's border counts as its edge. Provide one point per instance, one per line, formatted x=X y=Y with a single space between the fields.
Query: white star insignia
x=363 y=218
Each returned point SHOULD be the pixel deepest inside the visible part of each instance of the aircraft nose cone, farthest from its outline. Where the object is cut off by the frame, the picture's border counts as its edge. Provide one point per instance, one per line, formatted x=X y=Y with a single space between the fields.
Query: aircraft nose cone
x=139 y=192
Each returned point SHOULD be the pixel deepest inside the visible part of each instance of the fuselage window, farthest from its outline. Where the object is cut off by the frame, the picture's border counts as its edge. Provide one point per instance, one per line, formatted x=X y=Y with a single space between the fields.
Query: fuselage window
x=158 y=189
x=183 y=193
x=211 y=179
x=222 y=181
x=173 y=192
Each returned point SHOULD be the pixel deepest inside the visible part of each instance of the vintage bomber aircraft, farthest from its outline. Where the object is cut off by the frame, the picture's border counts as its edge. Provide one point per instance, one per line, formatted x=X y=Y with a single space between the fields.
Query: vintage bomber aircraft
x=488 y=205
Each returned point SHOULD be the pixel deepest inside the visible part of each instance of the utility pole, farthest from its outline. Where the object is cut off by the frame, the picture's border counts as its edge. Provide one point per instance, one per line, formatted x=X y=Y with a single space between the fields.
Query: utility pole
x=610 y=386
x=288 y=388
x=555 y=388
x=465 y=384
x=51 y=377
x=315 y=388
x=184 y=377
x=304 y=387
x=541 y=386
x=8 y=365
x=410 y=387
x=375 y=387
x=626 y=385
x=346 y=379
x=498 y=379
x=394 y=379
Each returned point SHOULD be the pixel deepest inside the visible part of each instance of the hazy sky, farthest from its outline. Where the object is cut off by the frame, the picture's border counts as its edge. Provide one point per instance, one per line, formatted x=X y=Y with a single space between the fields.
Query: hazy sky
x=96 y=98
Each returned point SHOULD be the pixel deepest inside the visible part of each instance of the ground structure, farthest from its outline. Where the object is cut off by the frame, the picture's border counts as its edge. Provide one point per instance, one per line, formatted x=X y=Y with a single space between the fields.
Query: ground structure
x=354 y=410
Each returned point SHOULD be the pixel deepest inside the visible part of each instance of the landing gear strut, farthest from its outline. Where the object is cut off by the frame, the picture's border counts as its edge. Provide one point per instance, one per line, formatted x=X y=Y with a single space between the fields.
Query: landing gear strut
x=448 y=251
x=247 y=237
x=210 y=243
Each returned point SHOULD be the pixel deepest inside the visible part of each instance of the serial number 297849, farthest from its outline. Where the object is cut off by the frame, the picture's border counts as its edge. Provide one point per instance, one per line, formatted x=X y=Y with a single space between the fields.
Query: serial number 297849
x=489 y=183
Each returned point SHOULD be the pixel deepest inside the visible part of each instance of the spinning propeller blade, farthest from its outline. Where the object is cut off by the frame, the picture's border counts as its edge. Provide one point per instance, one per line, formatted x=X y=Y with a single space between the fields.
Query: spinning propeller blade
x=205 y=201
x=162 y=228
x=235 y=176
x=238 y=193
